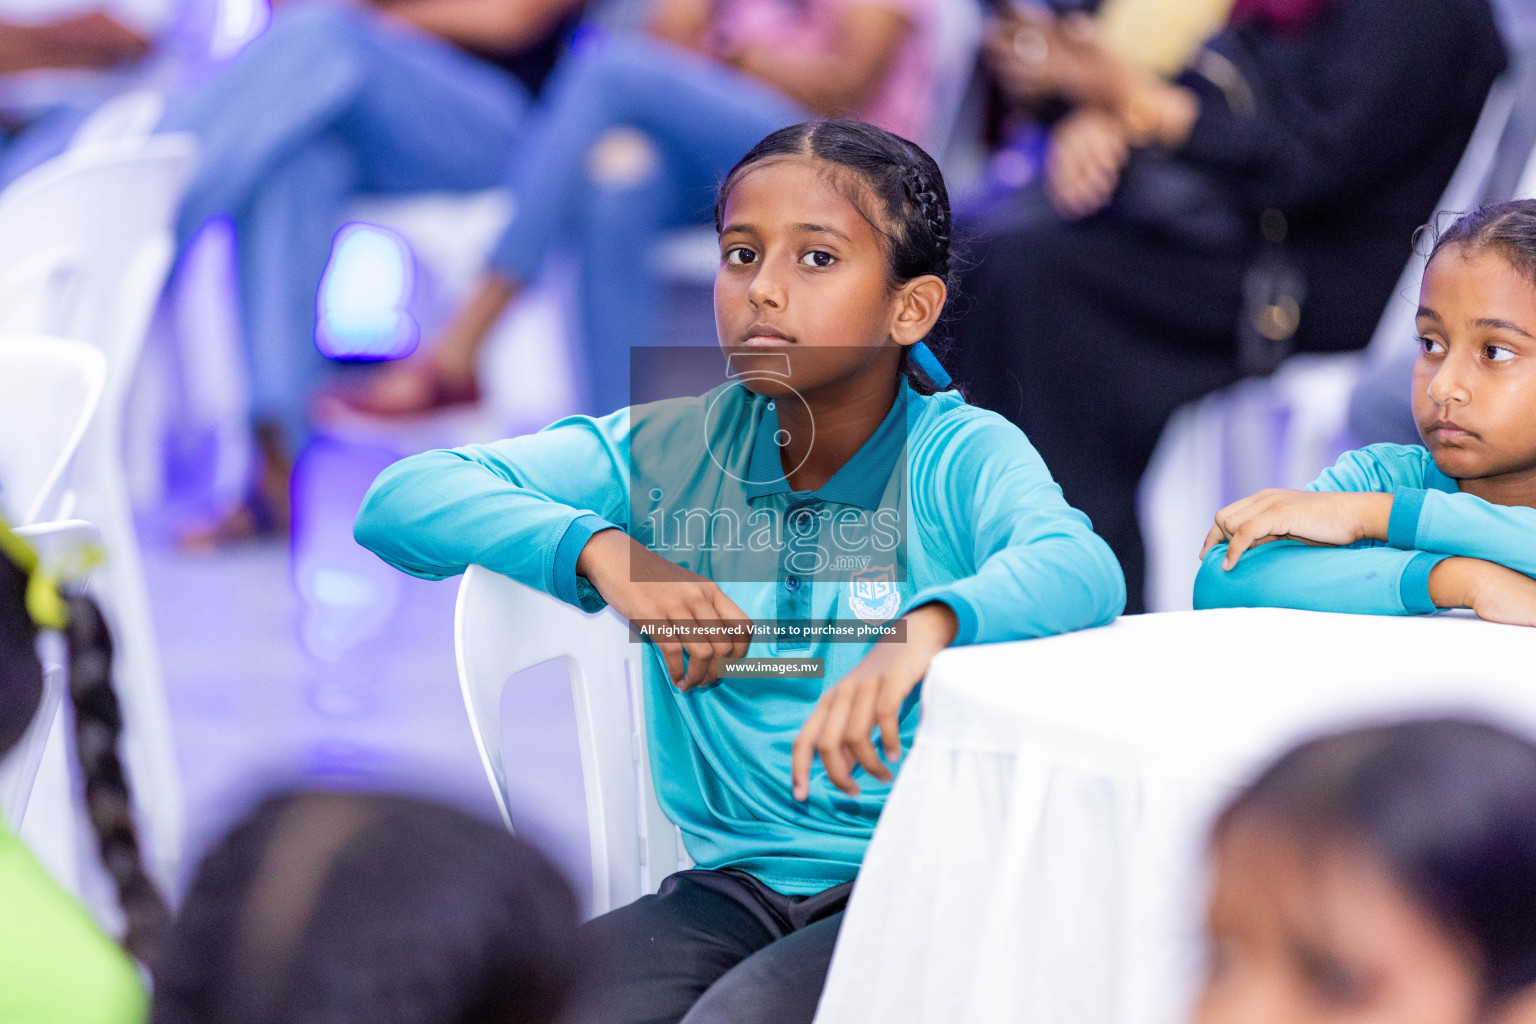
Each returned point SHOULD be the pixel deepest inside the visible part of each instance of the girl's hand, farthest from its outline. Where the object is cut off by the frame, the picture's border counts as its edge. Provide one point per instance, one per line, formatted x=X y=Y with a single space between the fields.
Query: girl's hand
x=1087 y=155
x=644 y=587
x=1330 y=518
x=841 y=728
x=1495 y=592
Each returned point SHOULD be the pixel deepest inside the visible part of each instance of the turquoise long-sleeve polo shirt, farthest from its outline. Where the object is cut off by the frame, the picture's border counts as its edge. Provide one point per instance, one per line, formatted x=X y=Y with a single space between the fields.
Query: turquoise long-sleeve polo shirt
x=944 y=502
x=1431 y=521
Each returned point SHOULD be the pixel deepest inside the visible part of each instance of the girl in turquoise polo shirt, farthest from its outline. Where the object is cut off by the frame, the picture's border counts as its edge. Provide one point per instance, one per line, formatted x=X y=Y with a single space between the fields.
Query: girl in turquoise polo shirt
x=1406 y=529
x=830 y=492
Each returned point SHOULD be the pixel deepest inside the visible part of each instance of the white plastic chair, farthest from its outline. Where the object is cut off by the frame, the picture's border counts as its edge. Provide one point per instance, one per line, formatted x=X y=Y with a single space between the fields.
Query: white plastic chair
x=85 y=244
x=57 y=543
x=501 y=628
x=49 y=390
x=1280 y=431
x=128 y=115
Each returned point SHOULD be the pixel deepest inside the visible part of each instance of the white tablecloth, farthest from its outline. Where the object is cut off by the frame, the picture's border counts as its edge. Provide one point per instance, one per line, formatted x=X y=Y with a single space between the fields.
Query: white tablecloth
x=1041 y=857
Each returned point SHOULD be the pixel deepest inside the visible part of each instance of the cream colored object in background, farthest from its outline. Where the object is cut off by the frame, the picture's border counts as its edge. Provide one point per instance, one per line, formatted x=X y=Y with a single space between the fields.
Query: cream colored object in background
x=1161 y=34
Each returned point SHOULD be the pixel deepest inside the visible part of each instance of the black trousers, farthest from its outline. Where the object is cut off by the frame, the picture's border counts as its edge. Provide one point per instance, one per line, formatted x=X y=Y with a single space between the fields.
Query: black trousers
x=712 y=947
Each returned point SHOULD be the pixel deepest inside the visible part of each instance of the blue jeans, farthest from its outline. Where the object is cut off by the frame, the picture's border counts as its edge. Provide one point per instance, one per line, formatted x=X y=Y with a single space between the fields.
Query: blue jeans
x=701 y=118
x=330 y=102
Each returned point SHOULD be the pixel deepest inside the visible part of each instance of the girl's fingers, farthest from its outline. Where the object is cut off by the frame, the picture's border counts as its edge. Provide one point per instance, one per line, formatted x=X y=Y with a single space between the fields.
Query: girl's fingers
x=1211 y=540
x=804 y=752
x=672 y=654
x=701 y=660
x=859 y=732
x=829 y=744
x=728 y=610
x=888 y=710
x=1246 y=535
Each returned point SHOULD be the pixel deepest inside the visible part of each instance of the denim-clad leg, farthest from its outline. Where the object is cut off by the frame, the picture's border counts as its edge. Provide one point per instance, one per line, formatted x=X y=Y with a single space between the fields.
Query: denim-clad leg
x=277 y=233
x=329 y=102
x=618 y=225
x=701 y=116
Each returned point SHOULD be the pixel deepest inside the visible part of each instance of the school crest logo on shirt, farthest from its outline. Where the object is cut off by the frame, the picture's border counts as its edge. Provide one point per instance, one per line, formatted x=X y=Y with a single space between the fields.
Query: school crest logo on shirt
x=873 y=595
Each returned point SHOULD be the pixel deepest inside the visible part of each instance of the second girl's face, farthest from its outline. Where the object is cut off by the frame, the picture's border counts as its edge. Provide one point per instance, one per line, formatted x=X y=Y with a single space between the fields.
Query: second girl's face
x=1323 y=936
x=804 y=283
x=1474 y=385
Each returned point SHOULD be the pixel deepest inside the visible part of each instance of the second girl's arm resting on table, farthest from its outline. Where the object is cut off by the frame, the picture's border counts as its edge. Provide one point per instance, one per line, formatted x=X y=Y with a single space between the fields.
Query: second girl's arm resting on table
x=1424 y=528
x=524 y=507
x=1040 y=568
x=1425 y=519
x=1466 y=525
x=1289 y=574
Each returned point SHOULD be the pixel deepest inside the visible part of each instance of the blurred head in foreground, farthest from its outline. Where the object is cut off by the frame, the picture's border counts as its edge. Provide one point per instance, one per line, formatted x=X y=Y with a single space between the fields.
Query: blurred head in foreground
x=1385 y=874
x=376 y=909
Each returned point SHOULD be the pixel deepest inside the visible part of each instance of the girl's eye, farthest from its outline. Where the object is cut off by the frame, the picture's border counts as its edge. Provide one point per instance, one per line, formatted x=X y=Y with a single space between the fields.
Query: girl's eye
x=1497 y=353
x=818 y=259
x=1429 y=346
x=740 y=256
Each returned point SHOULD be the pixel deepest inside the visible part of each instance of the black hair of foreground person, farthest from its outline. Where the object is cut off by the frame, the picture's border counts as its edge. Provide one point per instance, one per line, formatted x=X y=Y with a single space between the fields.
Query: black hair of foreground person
x=374 y=909
x=1447 y=807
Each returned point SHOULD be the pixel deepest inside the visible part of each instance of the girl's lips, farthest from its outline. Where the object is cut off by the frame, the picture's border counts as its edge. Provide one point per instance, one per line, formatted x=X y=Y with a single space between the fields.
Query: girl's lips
x=1449 y=431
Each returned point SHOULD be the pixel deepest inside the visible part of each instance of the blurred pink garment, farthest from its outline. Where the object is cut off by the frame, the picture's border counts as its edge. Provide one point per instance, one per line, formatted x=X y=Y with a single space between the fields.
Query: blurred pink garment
x=1281 y=15
x=903 y=102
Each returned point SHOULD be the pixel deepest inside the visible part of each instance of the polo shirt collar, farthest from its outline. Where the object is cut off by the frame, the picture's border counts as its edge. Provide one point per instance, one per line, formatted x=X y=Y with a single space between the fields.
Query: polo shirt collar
x=862 y=479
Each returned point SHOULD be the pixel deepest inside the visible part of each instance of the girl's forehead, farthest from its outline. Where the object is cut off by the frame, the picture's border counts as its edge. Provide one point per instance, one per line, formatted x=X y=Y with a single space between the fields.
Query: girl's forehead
x=797 y=189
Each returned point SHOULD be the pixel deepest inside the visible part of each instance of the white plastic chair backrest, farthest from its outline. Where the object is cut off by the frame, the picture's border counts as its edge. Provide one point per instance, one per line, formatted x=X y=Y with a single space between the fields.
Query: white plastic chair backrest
x=85 y=244
x=49 y=390
x=57 y=543
x=128 y=115
x=1395 y=328
x=502 y=627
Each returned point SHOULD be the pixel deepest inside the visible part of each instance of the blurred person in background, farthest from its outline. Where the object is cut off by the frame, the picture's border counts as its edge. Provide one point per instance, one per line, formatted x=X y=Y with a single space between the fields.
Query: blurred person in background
x=1385 y=874
x=1193 y=231
x=56 y=966
x=34 y=128
x=334 y=908
x=336 y=99
x=635 y=134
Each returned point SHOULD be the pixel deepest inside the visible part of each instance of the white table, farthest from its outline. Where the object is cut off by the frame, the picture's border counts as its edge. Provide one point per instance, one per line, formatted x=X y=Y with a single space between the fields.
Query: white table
x=1041 y=857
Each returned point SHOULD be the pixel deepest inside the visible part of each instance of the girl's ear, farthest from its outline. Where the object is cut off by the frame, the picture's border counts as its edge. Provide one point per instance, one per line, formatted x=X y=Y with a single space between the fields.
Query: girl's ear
x=918 y=305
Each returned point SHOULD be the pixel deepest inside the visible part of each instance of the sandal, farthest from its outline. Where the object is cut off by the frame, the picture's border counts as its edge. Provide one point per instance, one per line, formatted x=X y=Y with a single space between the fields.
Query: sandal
x=411 y=388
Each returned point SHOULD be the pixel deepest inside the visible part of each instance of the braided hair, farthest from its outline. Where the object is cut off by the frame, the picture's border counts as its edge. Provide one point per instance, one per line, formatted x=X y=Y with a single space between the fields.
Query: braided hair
x=98 y=724
x=1507 y=228
x=108 y=801
x=911 y=202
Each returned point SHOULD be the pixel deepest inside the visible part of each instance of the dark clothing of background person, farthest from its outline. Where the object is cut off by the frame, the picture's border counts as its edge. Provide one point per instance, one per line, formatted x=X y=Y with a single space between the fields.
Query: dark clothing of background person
x=1089 y=334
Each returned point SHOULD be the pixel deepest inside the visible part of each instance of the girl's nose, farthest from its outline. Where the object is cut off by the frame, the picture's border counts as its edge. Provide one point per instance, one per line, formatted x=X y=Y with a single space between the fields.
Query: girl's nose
x=1449 y=384
x=767 y=288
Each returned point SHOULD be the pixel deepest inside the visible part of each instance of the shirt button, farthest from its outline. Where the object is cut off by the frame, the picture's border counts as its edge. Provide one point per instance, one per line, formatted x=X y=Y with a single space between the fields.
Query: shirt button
x=792 y=583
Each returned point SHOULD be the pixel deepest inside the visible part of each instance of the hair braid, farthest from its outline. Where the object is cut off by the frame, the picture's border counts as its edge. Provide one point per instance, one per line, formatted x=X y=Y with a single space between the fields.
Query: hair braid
x=98 y=724
x=933 y=211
